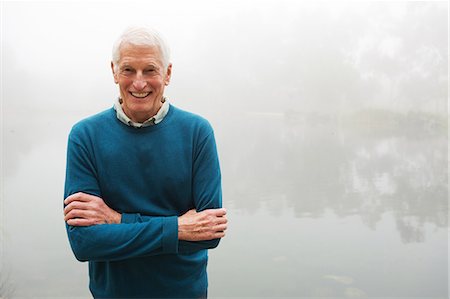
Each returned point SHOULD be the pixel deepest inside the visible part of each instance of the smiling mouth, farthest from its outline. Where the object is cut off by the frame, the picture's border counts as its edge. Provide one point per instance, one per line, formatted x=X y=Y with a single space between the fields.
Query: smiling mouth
x=140 y=95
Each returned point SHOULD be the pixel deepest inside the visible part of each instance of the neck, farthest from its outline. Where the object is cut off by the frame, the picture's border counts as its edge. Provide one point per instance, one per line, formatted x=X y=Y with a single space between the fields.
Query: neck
x=140 y=117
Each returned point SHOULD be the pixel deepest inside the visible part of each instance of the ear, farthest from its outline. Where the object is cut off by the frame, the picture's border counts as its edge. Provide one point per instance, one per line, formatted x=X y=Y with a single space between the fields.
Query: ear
x=168 y=74
x=115 y=75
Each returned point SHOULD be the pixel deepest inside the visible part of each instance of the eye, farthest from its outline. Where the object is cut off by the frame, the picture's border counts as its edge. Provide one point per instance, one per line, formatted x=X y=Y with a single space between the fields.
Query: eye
x=126 y=70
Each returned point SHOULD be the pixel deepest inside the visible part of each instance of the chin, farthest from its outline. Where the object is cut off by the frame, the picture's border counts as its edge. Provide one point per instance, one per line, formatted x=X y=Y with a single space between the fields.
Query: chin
x=141 y=108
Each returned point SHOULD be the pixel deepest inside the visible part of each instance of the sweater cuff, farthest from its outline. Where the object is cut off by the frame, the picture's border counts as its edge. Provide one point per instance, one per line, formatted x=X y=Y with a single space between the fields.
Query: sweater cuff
x=128 y=218
x=170 y=234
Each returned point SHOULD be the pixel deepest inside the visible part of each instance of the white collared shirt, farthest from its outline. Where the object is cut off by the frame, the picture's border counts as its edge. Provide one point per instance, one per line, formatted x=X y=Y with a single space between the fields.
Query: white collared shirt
x=155 y=119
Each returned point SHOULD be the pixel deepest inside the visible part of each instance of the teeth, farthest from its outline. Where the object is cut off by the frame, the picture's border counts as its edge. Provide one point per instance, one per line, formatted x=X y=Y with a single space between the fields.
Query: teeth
x=140 y=94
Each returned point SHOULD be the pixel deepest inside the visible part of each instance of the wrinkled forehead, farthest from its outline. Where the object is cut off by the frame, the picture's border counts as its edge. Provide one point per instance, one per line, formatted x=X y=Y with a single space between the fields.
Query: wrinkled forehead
x=139 y=53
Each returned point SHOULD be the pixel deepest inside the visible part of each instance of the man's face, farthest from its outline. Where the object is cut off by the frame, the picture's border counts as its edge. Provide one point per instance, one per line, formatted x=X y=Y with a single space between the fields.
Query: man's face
x=142 y=78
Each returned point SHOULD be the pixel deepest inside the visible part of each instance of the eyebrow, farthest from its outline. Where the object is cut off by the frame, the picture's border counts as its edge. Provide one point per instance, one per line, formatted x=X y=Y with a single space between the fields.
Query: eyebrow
x=154 y=66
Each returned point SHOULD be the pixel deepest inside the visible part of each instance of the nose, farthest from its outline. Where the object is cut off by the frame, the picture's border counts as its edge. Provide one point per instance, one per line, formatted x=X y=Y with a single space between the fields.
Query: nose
x=139 y=84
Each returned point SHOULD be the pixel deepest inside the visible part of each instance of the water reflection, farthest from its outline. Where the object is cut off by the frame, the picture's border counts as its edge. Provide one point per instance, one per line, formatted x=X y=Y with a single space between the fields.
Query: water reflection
x=367 y=163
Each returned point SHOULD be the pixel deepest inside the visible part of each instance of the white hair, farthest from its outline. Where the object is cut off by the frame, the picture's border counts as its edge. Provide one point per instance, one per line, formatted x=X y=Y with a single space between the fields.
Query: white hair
x=141 y=36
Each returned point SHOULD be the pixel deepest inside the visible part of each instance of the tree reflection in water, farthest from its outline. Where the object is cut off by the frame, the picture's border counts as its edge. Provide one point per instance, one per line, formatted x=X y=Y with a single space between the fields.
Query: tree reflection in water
x=367 y=163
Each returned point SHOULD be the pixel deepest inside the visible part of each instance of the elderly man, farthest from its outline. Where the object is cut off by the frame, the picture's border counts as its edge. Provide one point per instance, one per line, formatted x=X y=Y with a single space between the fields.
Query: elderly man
x=143 y=186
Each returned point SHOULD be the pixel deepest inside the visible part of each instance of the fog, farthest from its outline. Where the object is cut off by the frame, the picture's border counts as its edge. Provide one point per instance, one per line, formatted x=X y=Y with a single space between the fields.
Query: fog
x=331 y=122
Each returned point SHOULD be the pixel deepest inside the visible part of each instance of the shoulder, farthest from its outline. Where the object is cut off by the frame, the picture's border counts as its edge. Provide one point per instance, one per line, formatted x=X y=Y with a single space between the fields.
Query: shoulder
x=190 y=119
x=191 y=125
x=92 y=123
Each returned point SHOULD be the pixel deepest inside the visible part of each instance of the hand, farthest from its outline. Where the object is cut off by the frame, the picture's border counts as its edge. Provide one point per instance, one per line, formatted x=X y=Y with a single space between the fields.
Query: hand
x=201 y=226
x=84 y=210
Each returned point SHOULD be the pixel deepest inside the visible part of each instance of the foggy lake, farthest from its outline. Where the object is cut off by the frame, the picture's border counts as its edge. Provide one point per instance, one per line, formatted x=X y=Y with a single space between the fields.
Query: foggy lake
x=331 y=124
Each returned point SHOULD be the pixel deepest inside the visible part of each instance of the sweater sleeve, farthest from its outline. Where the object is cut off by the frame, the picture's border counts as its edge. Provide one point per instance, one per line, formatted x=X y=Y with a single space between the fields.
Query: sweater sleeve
x=206 y=191
x=206 y=187
x=108 y=242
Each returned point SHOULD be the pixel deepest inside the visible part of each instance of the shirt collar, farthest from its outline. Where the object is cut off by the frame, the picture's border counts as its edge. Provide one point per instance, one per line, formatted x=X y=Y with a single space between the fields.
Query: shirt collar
x=156 y=119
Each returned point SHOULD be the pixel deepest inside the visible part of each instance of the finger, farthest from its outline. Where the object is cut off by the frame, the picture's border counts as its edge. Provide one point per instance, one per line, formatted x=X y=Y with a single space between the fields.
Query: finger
x=211 y=220
x=219 y=235
x=220 y=212
x=215 y=212
x=220 y=228
x=79 y=222
x=221 y=220
x=211 y=229
x=74 y=214
x=73 y=197
x=86 y=214
x=79 y=205
x=79 y=196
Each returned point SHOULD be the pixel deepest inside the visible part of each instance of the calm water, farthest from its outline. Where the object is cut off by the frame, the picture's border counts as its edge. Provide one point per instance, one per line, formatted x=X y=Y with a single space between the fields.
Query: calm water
x=315 y=210
x=331 y=123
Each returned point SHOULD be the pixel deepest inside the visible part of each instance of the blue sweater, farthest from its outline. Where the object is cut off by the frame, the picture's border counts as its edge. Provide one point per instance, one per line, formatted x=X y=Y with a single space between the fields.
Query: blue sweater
x=151 y=175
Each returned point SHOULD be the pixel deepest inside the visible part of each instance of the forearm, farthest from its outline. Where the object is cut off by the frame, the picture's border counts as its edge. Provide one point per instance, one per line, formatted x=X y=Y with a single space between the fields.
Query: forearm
x=108 y=242
x=200 y=234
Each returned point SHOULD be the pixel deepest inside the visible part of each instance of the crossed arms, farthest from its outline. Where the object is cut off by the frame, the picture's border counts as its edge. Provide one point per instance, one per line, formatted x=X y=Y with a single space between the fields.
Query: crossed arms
x=83 y=209
x=98 y=233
